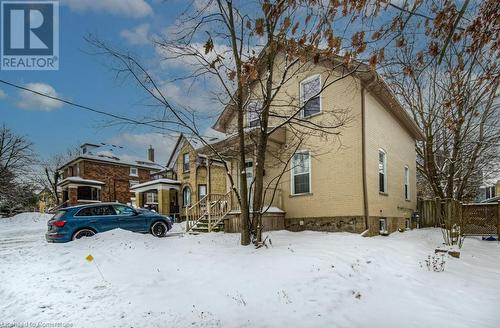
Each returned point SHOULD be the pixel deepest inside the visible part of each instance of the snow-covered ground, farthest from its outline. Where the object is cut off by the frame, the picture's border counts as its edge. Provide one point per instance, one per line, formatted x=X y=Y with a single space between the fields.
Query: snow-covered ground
x=306 y=279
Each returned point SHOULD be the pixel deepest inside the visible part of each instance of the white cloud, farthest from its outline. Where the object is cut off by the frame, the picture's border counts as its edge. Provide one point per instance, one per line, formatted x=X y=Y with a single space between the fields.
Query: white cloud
x=3 y=95
x=32 y=101
x=136 y=145
x=130 y=8
x=138 y=35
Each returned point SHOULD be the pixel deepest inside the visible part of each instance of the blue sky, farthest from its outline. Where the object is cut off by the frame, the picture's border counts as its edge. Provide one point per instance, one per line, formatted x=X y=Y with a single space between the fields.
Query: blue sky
x=87 y=79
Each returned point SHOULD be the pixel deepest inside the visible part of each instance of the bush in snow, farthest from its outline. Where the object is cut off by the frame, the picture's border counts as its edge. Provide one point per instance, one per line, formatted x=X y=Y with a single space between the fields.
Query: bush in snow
x=435 y=263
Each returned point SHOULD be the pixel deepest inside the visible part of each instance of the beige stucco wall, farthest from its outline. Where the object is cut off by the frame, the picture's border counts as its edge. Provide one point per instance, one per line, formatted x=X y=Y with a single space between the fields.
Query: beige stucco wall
x=383 y=131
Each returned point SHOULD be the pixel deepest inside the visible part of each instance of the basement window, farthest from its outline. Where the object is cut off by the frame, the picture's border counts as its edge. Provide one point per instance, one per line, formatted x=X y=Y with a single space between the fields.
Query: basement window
x=382 y=226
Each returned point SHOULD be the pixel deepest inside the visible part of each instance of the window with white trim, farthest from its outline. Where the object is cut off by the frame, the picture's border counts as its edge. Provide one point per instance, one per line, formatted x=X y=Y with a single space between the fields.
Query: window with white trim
x=134 y=172
x=151 y=198
x=489 y=192
x=310 y=100
x=382 y=171
x=253 y=112
x=132 y=183
x=301 y=173
x=407 y=183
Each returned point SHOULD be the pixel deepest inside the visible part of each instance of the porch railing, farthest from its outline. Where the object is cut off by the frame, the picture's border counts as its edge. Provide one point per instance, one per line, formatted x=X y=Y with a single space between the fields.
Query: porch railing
x=210 y=209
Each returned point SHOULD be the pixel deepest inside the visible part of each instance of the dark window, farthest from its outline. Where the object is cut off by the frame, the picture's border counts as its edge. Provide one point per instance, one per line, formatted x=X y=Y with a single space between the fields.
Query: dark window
x=490 y=192
x=88 y=193
x=96 y=211
x=310 y=98
x=185 y=162
x=407 y=183
x=382 y=225
x=382 y=171
x=253 y=113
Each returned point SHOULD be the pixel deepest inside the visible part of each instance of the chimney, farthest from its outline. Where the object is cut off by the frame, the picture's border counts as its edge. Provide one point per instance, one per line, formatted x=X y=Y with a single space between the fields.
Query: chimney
x=151 y=154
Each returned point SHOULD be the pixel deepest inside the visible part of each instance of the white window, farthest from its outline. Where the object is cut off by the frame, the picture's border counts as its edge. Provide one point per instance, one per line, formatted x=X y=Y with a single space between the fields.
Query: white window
x=382 y=171
x=134 y=171
x=185 y=162
x=202 y=192
x=382 y=225
x=301 y=173
x=310 y=100
x=489 y=192
x=186 y=196
x=253 y=113
x=407 y=183
x=151 y=198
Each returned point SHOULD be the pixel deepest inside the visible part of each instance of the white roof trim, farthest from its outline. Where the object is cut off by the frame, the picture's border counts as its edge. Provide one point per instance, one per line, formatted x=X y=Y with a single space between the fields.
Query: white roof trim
x=80 y=181
x=158 y=184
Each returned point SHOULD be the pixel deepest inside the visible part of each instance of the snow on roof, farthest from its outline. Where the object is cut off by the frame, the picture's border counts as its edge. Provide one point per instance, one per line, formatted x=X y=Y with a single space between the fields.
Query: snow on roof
x=153 y=182
x=80 y=180
x=111 y=156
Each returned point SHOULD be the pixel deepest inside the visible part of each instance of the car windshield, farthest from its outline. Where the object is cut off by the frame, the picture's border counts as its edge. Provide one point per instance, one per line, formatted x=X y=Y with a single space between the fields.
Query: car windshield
x=58 y=215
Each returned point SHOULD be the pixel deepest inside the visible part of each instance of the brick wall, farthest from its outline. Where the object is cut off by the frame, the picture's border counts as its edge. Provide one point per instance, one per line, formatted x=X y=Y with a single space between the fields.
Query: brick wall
x=116 y=178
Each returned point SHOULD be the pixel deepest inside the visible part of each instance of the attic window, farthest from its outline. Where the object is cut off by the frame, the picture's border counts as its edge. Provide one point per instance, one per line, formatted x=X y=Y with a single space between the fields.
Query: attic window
x=134 y=171
x=253 y=113
x=310 y=100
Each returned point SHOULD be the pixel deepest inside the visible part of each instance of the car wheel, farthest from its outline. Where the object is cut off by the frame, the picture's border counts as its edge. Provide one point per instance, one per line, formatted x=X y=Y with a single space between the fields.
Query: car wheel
x=159 y=229
x=83 y=233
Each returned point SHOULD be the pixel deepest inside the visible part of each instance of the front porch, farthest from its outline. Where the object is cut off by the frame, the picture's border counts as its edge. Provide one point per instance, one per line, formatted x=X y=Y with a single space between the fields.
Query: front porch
x=78 y=191
x=161 y=195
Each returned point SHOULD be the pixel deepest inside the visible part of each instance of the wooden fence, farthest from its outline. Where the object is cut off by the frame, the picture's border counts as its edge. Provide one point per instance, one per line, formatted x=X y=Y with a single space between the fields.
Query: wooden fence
x=475 y=219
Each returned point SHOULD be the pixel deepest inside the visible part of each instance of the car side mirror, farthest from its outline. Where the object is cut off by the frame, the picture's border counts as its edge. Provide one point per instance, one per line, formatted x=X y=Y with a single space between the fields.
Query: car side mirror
x=136 y=212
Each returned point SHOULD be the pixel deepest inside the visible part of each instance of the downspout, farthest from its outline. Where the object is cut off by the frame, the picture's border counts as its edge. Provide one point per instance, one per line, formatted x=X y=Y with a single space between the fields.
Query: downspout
x=363 y=156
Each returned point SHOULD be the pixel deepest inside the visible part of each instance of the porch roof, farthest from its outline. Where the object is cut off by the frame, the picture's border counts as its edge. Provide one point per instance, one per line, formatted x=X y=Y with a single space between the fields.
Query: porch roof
x=156 y=184
x=80 y=182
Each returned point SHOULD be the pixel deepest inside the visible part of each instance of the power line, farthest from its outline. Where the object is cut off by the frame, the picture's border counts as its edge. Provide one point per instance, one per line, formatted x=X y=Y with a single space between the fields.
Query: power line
x=101 y=112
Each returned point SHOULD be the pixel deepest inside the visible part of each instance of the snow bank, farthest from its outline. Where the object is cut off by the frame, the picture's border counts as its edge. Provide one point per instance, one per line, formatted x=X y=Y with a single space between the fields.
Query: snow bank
x=306 y=279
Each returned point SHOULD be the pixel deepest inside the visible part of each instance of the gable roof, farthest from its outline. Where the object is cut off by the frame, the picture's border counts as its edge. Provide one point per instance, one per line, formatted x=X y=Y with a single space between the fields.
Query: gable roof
x=371 y=80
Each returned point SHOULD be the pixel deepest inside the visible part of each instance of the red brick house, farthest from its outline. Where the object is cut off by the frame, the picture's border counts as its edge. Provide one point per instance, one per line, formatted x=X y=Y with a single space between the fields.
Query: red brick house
x=97 y=175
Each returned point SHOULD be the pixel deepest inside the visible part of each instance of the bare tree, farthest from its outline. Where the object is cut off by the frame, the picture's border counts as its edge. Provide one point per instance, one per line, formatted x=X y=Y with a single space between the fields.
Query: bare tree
x=49 y=175
x=16 y=156
x=251 y=49
x=251 y=52
x=455 y=103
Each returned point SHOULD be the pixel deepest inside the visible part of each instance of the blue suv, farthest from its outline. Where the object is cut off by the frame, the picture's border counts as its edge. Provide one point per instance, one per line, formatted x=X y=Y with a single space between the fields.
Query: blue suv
x=86 y=220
